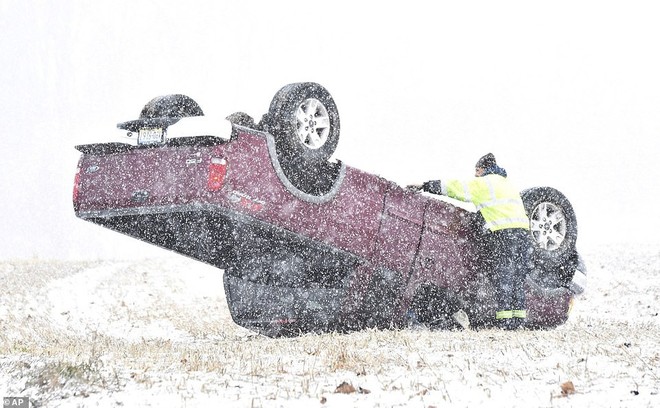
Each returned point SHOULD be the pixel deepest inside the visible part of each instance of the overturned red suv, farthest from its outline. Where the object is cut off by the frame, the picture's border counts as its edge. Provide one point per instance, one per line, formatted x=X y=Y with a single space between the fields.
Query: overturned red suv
x=308 y=243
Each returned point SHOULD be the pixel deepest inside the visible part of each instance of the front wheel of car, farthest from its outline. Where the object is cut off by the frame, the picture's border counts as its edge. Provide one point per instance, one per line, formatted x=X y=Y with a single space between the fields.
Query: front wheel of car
x=553 y=226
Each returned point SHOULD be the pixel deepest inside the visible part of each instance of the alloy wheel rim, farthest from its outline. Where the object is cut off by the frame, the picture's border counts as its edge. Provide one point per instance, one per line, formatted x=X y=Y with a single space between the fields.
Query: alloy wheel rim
x=548 y=226
x=313 y=123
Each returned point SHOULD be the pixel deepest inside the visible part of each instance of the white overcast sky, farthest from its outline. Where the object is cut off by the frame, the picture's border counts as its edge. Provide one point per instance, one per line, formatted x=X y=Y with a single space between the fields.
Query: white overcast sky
x=565 y=93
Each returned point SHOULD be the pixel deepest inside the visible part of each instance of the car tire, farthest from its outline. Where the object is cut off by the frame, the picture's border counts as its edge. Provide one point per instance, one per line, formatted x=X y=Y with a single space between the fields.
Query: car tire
x=553 y=227
x=304 y=120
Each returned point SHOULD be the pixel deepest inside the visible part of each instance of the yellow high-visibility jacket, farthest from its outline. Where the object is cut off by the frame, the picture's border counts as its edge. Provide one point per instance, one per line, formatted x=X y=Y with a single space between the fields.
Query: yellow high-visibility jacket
x=494 y=196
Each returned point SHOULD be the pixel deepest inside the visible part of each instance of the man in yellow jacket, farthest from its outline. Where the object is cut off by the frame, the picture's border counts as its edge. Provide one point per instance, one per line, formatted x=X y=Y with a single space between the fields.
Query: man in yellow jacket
x=502 y=208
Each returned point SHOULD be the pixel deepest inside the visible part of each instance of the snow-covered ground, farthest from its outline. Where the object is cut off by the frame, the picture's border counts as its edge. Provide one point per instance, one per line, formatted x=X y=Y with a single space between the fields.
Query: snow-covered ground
x=158 y=333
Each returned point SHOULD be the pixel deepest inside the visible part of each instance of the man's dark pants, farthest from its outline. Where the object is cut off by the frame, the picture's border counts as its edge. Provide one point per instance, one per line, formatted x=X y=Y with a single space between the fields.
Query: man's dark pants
x=511 y=249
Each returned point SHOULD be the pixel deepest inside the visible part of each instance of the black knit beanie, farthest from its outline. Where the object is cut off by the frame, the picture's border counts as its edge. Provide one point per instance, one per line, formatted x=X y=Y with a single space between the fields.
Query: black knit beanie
x=486 y=161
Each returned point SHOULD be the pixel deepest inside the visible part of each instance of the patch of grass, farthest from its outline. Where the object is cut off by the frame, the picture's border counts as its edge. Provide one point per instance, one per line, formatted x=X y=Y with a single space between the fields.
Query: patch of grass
x=63 y=374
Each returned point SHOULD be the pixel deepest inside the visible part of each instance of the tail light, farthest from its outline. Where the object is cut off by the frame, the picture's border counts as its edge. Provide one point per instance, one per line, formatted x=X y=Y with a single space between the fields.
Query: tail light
x=76 y=189
x=217 y=173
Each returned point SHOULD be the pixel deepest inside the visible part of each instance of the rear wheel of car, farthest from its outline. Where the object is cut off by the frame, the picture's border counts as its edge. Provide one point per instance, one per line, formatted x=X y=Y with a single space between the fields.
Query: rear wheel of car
x=304 y=120
x=553 y=226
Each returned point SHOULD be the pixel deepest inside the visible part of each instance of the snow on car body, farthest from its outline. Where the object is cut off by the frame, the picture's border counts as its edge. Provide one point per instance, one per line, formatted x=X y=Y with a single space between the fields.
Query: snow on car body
x=307 y=244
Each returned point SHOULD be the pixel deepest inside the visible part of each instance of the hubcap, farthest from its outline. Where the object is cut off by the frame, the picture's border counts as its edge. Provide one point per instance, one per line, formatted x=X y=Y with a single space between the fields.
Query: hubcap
x=313 y=123
x=548 y=226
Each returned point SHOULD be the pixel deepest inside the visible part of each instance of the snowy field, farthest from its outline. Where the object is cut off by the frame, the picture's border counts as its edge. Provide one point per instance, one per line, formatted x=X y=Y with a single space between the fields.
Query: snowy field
x=565 y=93
x=158 y=333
